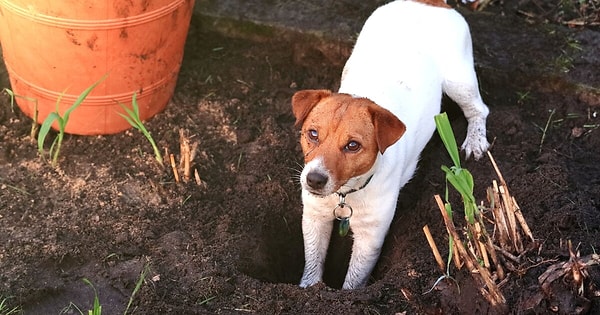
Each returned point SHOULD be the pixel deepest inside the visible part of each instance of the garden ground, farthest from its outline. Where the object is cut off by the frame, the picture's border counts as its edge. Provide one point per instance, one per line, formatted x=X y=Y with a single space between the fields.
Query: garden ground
x=232 y=245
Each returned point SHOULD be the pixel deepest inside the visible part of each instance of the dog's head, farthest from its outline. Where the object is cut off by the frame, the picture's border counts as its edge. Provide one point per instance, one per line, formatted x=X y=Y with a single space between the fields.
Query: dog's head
x=341 y=137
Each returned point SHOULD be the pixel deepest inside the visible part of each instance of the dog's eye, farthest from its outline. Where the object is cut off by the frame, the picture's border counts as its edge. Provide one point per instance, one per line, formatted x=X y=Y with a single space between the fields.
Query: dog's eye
x=352 y=146
x=313 y=135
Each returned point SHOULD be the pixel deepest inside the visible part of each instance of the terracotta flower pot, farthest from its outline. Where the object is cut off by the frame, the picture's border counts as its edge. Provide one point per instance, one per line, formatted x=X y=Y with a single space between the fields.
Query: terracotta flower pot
x=61 y=47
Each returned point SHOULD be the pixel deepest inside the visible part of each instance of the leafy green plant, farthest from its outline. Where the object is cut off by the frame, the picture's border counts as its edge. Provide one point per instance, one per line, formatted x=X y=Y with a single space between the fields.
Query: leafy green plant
x=460 y=178
x=62 y=123
x=133 y=118
x=477 y=247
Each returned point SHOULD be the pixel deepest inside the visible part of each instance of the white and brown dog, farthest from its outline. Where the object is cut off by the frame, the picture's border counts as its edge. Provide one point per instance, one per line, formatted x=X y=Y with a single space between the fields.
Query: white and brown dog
x=362 y=144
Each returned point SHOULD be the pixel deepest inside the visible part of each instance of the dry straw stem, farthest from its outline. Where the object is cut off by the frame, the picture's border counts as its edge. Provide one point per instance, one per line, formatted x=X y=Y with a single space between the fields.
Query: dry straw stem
x=481 y=245
x=479 y=273
x=521 y=219
x=500 y=227
x=492 y=250
x=187 y=153
x=199 y=182
x=505 y=206
x=458 y=263
x=184 y=151
x=507 y=214
x=174 y=167
x=434 y=249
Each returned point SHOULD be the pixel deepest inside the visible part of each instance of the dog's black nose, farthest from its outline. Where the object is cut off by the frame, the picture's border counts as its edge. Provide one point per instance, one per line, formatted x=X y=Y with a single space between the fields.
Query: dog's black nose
x=316 y=180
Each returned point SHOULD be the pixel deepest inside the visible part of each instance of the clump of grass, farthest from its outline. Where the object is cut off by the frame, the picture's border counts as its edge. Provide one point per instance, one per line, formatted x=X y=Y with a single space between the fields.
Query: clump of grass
x=5 y=309
x=62 y=122
x=133 y=118
x=97 y=307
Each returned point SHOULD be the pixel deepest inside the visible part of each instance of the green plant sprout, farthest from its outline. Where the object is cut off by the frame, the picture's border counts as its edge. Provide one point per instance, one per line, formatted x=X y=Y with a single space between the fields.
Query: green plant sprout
x=138 y=285
x=34 y=124
x=545 y=129
x=96 y=308
x=133 y=118
x=13 y=96
x=460 y=178
x=62 y=123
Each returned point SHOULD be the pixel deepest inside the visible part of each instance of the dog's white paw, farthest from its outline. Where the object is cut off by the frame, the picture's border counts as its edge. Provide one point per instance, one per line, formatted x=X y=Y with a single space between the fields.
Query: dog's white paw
x=476 y=143
x=352 y=285
x=305 y=283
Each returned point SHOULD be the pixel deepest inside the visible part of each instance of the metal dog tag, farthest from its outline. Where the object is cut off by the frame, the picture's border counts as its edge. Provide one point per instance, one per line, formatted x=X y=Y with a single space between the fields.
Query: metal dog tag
x=344 y=227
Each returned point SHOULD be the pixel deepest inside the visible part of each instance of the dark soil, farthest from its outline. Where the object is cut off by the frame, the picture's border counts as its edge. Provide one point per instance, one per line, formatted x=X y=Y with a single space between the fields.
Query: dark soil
x=234 y=245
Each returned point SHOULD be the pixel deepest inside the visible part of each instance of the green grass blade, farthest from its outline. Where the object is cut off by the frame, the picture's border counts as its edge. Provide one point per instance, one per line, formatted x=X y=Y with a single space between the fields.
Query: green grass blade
x=133 y=118
x=81 y=98
x=60 y=96
x=45 y=128
x=130 y=115
x=447 y=135
x=129 y=120
x=460 y=182
x=138 y=285
x=12 y=99
x=135 y=106
x=55 y=150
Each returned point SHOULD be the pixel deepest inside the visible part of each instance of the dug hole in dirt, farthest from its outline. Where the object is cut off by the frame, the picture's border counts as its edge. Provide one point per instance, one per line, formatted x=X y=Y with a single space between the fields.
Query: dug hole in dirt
x=231 y=243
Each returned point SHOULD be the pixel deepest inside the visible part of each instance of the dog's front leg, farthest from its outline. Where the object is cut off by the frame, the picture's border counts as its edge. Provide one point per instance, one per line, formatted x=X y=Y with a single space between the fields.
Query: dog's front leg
x=365 y=253
x=317 y=233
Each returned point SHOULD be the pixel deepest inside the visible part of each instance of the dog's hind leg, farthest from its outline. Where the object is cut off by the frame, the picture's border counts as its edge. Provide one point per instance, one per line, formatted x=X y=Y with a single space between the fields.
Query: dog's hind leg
x=461 y=86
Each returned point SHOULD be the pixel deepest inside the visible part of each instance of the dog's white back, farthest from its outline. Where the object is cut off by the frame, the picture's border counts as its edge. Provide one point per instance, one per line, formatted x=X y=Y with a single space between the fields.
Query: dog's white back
x=407 y=54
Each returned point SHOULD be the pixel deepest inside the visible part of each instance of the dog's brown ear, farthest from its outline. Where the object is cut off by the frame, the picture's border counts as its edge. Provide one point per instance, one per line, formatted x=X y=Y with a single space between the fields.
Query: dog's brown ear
x=388 y=128
x=304 y=101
